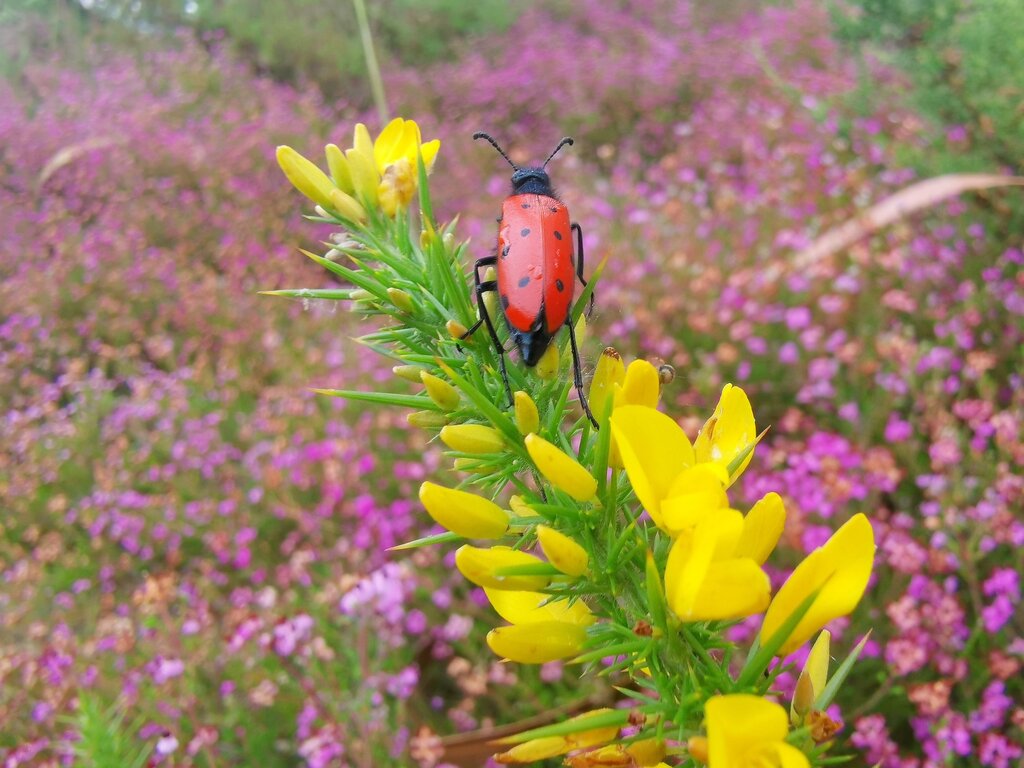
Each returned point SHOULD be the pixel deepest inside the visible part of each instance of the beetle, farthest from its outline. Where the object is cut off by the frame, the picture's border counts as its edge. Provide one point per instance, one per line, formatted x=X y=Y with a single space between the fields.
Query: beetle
x=536 y=269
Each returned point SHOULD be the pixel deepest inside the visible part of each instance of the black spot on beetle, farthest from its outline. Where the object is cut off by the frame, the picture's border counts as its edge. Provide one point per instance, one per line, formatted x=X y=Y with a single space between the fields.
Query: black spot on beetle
x=558 y=235
x=525 y=231
x=559 y=285
x=526 y=205
x=504 y=301
x=554 y=209
x=504 y=251
x=524 y=281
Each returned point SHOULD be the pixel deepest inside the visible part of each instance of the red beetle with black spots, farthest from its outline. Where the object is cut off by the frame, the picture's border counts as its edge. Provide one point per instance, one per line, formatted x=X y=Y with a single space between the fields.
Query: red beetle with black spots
x=536 y=269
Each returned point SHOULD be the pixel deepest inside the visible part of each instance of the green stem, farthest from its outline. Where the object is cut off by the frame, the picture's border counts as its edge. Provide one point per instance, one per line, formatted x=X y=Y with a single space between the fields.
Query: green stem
x=372 y=67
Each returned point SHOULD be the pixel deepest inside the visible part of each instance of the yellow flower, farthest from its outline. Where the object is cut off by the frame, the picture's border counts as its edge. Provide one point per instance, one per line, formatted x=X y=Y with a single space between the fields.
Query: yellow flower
x=382 y=172
x=812 y=679
x=464 y=513
x=706 y=579
x=563 y=552
x=835 y=574
x=560 y=469
x=481 y=567
x=729 y=432
x=746 y=731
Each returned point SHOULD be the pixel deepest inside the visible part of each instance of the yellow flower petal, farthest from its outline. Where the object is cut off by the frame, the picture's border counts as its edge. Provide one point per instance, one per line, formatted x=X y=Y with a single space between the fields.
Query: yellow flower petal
x=838 y=572
x=347 y=206
x=387 y=147
x=563 y=552
x=472 y=438
x=728 y=432
x=696 y=492
x=480 y=566
x=654 y=451
x=397 y=187
x=305 y=176
x=464 y=513
x=537 y=643
x=547 y=367
x=732 y=589
x=429 y=153
x=560 y=469
x=642 y=386
x=362 y=143
x=762 y=528
x=518 y=607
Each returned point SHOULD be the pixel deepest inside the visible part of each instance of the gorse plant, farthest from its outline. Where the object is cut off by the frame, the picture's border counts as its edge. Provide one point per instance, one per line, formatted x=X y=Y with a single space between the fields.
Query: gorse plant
x=550 y=517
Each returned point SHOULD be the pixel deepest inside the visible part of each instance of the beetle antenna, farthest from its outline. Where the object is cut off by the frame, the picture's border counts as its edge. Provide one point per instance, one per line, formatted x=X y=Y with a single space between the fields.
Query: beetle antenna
x=562 y=143
x=482 y=135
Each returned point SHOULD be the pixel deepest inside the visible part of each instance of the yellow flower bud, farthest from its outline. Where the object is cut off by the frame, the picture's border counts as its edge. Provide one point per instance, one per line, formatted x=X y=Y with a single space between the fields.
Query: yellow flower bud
x=812 y=679
x=537 y=643
x=426 y=419
x=560 y=469
x=409 y=373
x=338 y=166
x=472 y=438
x=609 y=372
x=641 y=386
x=547 y=367
x=464 y=513
x=697 y=746
x=365 y=178
x=456 y=329
x=480 y=566
x=305 y=176
x=527 y=417
x=401 y=300
x=646 y=752
x=562 y=552
x=427 y=237
x=440 y=391
x=347 y=206
x=520 y=507
x=535 y=749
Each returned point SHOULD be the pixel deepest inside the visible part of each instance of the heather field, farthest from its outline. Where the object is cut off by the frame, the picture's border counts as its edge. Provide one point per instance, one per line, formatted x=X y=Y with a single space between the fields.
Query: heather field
x=194 y=564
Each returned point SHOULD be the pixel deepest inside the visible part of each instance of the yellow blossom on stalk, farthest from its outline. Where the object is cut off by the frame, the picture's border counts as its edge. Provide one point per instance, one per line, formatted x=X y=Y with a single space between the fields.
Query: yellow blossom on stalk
x=563 y=552
x=646 y=753
x=440 y=391
x=729 y=432
x=746 y=731
x=308 y=179
x=481 y=566
x=464 y=513
x=547 y=367
x=834 y=576
x=560 y=469
x=812 y=679
x=708 y=578
x=639 y=385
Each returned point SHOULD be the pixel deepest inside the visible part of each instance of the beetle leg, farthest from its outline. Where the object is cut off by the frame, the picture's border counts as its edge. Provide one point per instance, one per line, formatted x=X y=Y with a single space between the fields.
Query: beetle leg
x=579 y=263
x=577 y=373
x=481 y=289
x=486 y=261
